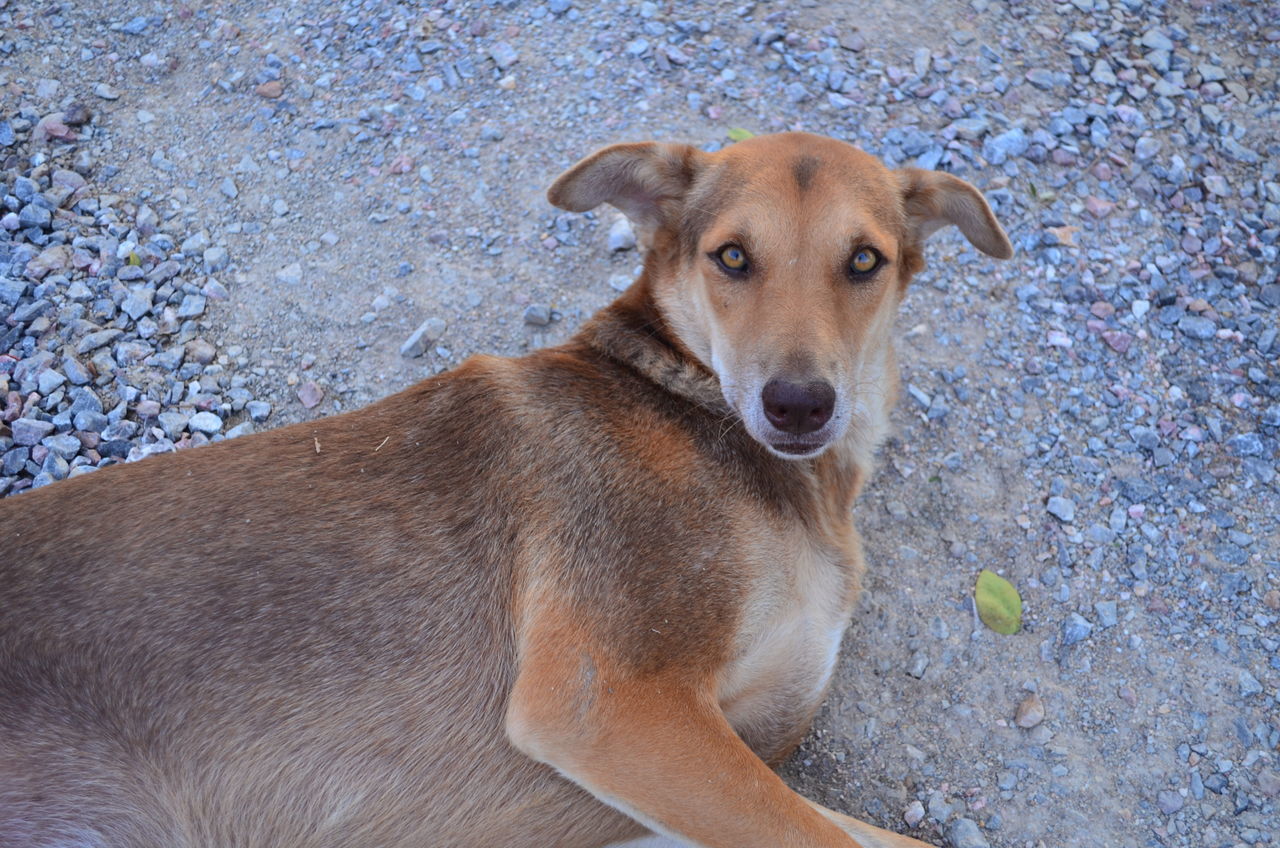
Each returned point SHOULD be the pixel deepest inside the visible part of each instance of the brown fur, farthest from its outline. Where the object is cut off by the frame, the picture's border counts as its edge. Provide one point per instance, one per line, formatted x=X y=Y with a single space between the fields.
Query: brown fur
x=469 y=614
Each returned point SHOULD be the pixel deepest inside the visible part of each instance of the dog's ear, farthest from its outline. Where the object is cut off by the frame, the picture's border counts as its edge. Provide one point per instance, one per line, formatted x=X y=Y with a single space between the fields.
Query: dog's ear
x=933 y=199
x=647 y=181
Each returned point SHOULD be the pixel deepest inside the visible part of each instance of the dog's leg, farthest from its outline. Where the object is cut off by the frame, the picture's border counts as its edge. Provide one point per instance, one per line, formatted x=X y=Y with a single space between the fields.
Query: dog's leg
x=867 y=834
x=658 y=748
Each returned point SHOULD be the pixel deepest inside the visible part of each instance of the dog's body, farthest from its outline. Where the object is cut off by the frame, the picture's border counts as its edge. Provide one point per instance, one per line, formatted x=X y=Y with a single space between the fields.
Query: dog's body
x=532 y=602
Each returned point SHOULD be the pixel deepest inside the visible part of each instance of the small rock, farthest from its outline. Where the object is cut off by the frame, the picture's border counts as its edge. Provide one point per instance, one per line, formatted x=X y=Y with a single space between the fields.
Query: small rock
x=205 y=422
x=1064 y=509
x=215 y=259
x=421 y=339
x=914 y=814
x=1217 y=185
x=919 y=662
x=503 y=55
x=1030 y=712
x=621 y=236
x=1197 y=327
x=271 y=89
x=192 y=306
x=1075 y=629
x=1169 y=801
x=1249 y=685
x=310 y=394
x=964 y=833
x=259 y=410
x=29 y=431
x=537 y=315
x=290 y=275
x=106 y=92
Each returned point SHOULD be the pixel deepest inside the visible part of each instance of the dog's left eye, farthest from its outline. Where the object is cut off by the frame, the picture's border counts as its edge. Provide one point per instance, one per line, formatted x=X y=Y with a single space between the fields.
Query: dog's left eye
x=864 y=261
x=732 y=258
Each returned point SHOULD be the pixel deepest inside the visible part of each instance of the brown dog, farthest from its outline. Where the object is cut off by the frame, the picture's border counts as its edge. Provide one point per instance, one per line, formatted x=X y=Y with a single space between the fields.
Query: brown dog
x=574 y=596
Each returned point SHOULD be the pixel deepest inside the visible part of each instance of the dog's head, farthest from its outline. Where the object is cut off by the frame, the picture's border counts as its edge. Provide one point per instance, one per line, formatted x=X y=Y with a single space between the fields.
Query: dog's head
x=779 y=262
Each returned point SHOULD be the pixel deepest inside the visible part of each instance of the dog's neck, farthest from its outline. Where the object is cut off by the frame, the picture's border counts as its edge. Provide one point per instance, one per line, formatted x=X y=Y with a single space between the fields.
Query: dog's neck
x=633 y=330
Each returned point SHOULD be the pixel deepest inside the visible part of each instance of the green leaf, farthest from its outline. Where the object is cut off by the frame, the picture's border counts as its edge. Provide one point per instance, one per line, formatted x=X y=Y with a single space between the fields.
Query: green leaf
x=739 y=134
x=999 y=604
x=134 y=259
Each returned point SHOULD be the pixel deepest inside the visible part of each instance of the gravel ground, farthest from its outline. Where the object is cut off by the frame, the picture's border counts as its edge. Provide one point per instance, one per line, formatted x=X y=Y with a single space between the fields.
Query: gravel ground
x=222 y=218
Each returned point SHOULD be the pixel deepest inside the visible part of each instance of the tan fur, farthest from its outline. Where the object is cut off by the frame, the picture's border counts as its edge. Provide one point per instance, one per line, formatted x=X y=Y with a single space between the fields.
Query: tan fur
x=549 y=601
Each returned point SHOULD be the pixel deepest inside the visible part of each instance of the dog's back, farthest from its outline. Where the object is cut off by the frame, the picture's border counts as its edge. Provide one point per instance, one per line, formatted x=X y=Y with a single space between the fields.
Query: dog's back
x=224 y=649
x=291 y=641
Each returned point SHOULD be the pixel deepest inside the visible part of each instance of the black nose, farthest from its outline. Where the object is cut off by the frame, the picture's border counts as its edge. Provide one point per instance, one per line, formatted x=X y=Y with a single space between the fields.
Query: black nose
x=798 y=407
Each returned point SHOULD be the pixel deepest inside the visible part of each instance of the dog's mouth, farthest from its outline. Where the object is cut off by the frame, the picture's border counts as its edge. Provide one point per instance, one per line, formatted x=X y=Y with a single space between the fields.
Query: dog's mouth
x=796 y=448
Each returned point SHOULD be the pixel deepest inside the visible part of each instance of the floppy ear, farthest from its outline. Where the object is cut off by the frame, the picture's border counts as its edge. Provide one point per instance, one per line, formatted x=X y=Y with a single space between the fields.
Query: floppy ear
x=645 y=180
x=933 y=199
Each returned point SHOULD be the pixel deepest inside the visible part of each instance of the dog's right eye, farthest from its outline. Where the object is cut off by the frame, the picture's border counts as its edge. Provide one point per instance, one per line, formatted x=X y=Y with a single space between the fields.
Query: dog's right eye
x=732 y=259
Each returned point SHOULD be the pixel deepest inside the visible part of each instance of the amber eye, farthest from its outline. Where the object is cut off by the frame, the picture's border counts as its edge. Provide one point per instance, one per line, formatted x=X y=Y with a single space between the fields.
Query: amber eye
x=733 y=258
x=864 y=261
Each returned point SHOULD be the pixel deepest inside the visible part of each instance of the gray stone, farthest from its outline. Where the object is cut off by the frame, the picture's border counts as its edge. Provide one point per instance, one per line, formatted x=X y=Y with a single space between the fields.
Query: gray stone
x=35 y=216
x=11 y=291
x=964 y=833
x=1169 y=801
x=29 y=431
x=1064 y=509
x=215 y=259
x=97 y=340
x=1249 y=685
x=537 y=315
x=1197 y=327
x=192 y=306
x=621 y=236
x=172 y=423
x=1076 y=629
x=290 y=275
x=259 y=410
x=503 y=55
x=1000 y=148
x=49 y=380
x=138 y=303
x=1156 y=40
x=136 y=26
x=1146 y=148
x=1106 y=611
x=205 y=422
x=421 y=339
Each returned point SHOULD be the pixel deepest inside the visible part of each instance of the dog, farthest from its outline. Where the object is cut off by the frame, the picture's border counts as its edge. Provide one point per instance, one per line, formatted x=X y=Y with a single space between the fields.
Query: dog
x=568 y=599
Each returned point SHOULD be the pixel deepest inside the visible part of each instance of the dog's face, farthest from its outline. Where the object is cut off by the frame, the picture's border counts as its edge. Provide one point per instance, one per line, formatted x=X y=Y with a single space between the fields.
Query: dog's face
x=779 y=262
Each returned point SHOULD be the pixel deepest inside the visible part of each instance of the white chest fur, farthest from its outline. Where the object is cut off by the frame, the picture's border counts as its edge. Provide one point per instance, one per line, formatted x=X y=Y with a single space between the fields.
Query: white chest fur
x=787 y=647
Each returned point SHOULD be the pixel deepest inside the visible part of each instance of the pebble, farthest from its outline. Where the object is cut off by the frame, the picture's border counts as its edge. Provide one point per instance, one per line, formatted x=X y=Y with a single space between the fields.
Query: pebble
x=421 y=339
x=290 y=275
x=1030 y=712
x=216 y=259
x=621 y=236
x=310 y=394
x=1197 y=327
x=29 y=431
x=1075 y=629
x=964 y=833
x=1063 y=509
x=205 y=422
x=537 y=315
x=503 y=55
x=914 y=814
